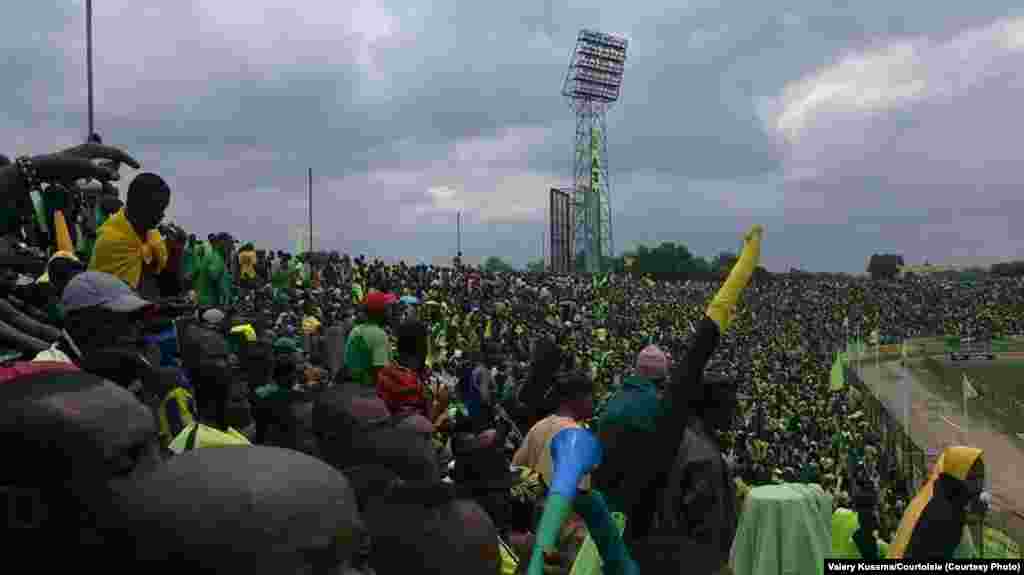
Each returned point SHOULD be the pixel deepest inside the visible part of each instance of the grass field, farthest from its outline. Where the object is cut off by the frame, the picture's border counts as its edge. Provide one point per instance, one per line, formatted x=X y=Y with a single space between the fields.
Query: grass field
x=1000 y=384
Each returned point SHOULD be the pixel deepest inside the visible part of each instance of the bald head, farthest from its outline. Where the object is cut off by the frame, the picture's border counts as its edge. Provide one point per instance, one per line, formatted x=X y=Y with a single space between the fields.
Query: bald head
x=456 y=536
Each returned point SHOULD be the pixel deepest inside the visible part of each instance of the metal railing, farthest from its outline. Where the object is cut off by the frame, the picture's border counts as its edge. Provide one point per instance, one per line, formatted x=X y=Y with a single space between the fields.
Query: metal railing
x=910 y=460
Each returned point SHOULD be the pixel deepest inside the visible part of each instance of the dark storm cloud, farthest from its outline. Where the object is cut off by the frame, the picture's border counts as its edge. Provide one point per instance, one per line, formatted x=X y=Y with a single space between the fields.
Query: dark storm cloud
x=732 y=113
x=914 y=129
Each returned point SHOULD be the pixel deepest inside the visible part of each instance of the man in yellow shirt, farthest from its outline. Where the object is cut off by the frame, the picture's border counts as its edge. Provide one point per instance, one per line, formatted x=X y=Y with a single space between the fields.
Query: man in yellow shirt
x=247 y=266
x=128 y=245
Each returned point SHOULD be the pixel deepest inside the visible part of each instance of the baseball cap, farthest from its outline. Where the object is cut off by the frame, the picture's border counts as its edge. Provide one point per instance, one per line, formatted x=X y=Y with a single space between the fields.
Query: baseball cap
x=98 y=289
x=379 y=301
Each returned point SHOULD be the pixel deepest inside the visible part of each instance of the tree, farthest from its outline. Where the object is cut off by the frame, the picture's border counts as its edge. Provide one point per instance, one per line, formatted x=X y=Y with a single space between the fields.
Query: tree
x=495 y=264
x=580 y=263
x=535 y=266
x=667 y=260
x=723 y=262
x=1008 y=269
x=884 y=266
x=671 y=261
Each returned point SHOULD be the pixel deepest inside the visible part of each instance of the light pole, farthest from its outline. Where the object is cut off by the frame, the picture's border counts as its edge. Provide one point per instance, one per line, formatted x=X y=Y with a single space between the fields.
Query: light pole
x=592 y=85
x=310 y=248
x=88 y=61
x=458 y=234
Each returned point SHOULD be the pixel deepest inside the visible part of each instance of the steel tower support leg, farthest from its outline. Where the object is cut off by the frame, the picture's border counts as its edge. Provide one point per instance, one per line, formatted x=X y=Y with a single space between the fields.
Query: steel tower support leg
x=591 y=194
x=581 y=184
x=606 y=247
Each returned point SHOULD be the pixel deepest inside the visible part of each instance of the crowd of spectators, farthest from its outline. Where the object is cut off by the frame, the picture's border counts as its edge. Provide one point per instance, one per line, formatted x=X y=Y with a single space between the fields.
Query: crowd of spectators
x=310 y=361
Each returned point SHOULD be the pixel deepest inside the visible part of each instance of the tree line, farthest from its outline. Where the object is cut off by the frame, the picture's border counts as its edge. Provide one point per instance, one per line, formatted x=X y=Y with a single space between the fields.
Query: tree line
x=888 y=266
x=668 y=261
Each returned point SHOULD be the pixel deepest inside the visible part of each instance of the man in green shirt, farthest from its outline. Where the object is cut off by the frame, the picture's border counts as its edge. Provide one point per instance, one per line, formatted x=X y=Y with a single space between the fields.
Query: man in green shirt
x=367 y=348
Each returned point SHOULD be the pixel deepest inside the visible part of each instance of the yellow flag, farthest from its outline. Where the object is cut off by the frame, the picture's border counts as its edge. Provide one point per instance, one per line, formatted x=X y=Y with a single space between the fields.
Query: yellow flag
x=63 y=235
x=837 y=378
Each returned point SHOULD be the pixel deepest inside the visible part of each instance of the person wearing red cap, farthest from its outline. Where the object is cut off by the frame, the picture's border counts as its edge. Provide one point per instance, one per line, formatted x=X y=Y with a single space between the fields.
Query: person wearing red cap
x=367 y=349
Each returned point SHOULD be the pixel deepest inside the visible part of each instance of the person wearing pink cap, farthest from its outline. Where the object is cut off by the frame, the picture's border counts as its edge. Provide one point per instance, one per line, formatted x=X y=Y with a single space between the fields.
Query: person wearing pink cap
x=652 y=364
x=679 y=502
x=367 y=349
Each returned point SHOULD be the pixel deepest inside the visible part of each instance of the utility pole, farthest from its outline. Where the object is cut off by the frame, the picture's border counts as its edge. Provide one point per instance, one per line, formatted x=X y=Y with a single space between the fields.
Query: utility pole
x=458 y=234
x=310 y=248
x=88 y=62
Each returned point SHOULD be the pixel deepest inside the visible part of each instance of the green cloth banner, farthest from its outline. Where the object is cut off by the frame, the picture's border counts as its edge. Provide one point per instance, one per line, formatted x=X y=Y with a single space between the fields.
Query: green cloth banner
x=837 y=379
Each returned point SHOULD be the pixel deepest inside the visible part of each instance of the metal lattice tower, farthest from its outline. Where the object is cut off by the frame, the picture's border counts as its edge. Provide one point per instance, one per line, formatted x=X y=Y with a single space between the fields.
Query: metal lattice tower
x=592 y=85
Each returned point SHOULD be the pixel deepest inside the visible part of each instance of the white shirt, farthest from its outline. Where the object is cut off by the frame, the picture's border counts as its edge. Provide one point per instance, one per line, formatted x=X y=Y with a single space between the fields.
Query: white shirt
x=54 y=354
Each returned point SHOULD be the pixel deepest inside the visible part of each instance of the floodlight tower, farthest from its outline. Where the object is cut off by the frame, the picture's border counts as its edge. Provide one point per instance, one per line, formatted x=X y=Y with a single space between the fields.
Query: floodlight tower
x=591 y=86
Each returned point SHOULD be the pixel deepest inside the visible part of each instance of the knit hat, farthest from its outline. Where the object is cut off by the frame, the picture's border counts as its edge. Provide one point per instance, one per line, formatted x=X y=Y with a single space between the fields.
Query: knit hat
x=652 y=362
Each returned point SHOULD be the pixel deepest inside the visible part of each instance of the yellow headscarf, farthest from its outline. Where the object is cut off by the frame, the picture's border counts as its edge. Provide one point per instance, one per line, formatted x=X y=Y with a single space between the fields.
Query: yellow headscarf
x=246 y=331
x=310 y=325
x=120 y=252
x=60 y=225
x=247 y=264
x=955 y=461
x=45 y=278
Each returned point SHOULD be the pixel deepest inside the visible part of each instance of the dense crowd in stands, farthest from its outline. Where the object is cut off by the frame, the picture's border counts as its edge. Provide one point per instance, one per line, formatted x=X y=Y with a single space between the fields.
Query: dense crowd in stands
x=367 y=414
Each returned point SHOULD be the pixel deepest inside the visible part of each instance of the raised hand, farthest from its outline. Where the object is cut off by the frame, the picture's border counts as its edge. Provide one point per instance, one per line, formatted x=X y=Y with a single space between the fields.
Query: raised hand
x=100 y=152
x=60 y=168
x=756 y=232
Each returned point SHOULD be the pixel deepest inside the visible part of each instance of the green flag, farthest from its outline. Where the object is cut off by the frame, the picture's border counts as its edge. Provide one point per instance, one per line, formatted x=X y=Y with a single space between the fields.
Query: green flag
x=1000 y=345
x=837 y=380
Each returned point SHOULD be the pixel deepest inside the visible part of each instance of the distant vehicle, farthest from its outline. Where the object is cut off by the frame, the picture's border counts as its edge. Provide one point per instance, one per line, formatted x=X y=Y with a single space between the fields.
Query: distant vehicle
x=970 y=349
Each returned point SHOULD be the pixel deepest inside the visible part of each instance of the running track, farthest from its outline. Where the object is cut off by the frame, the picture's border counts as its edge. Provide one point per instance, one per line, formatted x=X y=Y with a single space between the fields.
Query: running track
x=936 y=423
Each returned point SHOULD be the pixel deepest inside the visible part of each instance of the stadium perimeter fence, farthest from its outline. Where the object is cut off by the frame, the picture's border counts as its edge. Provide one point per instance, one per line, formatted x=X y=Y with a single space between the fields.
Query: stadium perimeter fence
x=990 y=397
x=911 y=462
x=909 y=459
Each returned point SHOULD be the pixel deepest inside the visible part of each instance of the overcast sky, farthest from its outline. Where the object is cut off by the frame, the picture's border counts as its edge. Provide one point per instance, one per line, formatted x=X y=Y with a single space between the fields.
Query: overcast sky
x=844 y=127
